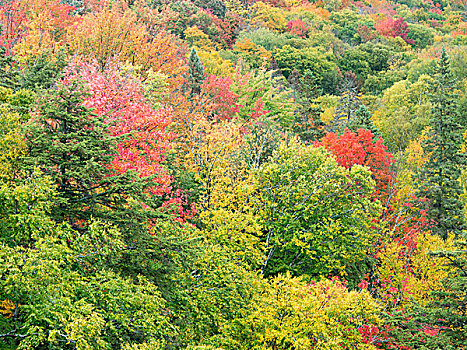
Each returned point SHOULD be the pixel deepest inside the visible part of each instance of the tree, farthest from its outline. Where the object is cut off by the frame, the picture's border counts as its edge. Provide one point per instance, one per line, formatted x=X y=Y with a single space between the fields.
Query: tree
x=308 y=124
x=317 y=215
x=439 y=322
x=349 y=102
x=75 y=148
x=363 y=148
x=319 y=63
x=112 y=33
x=363 y=120
x=289 y=313
x=404 y=113
x=8 y=72
x=63 y=296
x=195 y=76
x=446 y=161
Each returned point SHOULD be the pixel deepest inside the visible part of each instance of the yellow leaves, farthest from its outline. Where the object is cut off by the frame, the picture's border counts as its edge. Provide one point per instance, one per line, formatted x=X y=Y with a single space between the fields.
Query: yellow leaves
x=413 y=275
x=12 y=145
x=414 y=151
x=404 y=111
x=44 y=26
x=293 y=3
x=215 y=64
x=290 y=313
x=238 y=232
x=195 y=37
x=7 y=308
x=110 y=33
x=268 y=16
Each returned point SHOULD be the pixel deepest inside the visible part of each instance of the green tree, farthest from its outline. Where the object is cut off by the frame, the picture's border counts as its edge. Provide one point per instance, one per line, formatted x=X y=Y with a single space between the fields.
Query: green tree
x=62 y=296
x=318 y=62
x=307 y=121
x=446 y=160
x=362 y=120
x=195 y=75
x=9 y=74
x=317 y=215
x=74 y=147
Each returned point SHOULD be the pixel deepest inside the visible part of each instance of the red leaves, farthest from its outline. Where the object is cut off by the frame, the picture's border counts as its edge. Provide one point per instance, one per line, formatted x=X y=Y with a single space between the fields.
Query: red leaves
x=394 y=28
x=12 y=21
x=298 y=27
x=361 y=148
x=120 y=99
x=223 y=102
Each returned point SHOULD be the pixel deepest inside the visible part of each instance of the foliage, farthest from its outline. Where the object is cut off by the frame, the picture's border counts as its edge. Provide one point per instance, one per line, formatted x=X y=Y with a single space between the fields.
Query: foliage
x=406 y=106
x=309 y=208
x=64 y=298
x=363 y=148
x=292 y=313
x=268 y=16
x=444 y=166
x=311 y=59
x=167 y=182
x=195 y=75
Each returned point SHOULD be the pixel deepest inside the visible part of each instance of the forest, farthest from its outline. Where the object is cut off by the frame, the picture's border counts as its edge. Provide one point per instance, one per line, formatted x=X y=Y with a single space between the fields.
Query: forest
x=233 y=174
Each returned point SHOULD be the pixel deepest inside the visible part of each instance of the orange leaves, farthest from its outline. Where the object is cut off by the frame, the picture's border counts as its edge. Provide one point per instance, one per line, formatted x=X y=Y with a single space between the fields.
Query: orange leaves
x=34 y=26
x=116 y=33
x=7 y=308
x=361 y=148
x=110 y=33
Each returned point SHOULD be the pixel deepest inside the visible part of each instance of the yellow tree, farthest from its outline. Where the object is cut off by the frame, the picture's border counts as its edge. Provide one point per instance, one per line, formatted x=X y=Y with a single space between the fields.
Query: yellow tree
x=289 y=313
x=46 y=22
x=110 y=33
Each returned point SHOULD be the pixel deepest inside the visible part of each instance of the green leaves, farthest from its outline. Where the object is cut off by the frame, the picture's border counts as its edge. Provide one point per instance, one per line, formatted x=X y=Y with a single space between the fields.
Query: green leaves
x=318 y=216
x=62 y=298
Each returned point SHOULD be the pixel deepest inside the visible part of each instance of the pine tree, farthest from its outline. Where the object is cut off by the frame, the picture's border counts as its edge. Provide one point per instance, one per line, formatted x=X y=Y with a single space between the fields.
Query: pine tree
x=348 y=103
x=446 y=161
x=72 y=146
x=294 y=82
x=308 y=124
x=42 y=71
x=362 y=120
x=441 y=324
x=195 y=75
x=8 y=73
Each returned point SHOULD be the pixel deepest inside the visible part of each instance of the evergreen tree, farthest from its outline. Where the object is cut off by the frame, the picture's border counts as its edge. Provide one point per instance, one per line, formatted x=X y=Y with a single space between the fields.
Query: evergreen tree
x=441 y=324
x=294 y=82
x=8 y=73
x=42 y=71
x=446 y=161
x=73 y=147
x=308 y=124
x=362 y=120
x=348 y=103
x=195 y=75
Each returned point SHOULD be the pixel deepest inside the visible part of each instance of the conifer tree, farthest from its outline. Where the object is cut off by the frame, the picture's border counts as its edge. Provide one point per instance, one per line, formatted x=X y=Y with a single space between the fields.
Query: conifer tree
x=294 y=82
x=195 y=75
x=441 y=323
x=446 y=161
x=74 y=148
x=362 y=120
x=8 y=74
x=308 y=124
x=348 y=103
x=42 y=71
